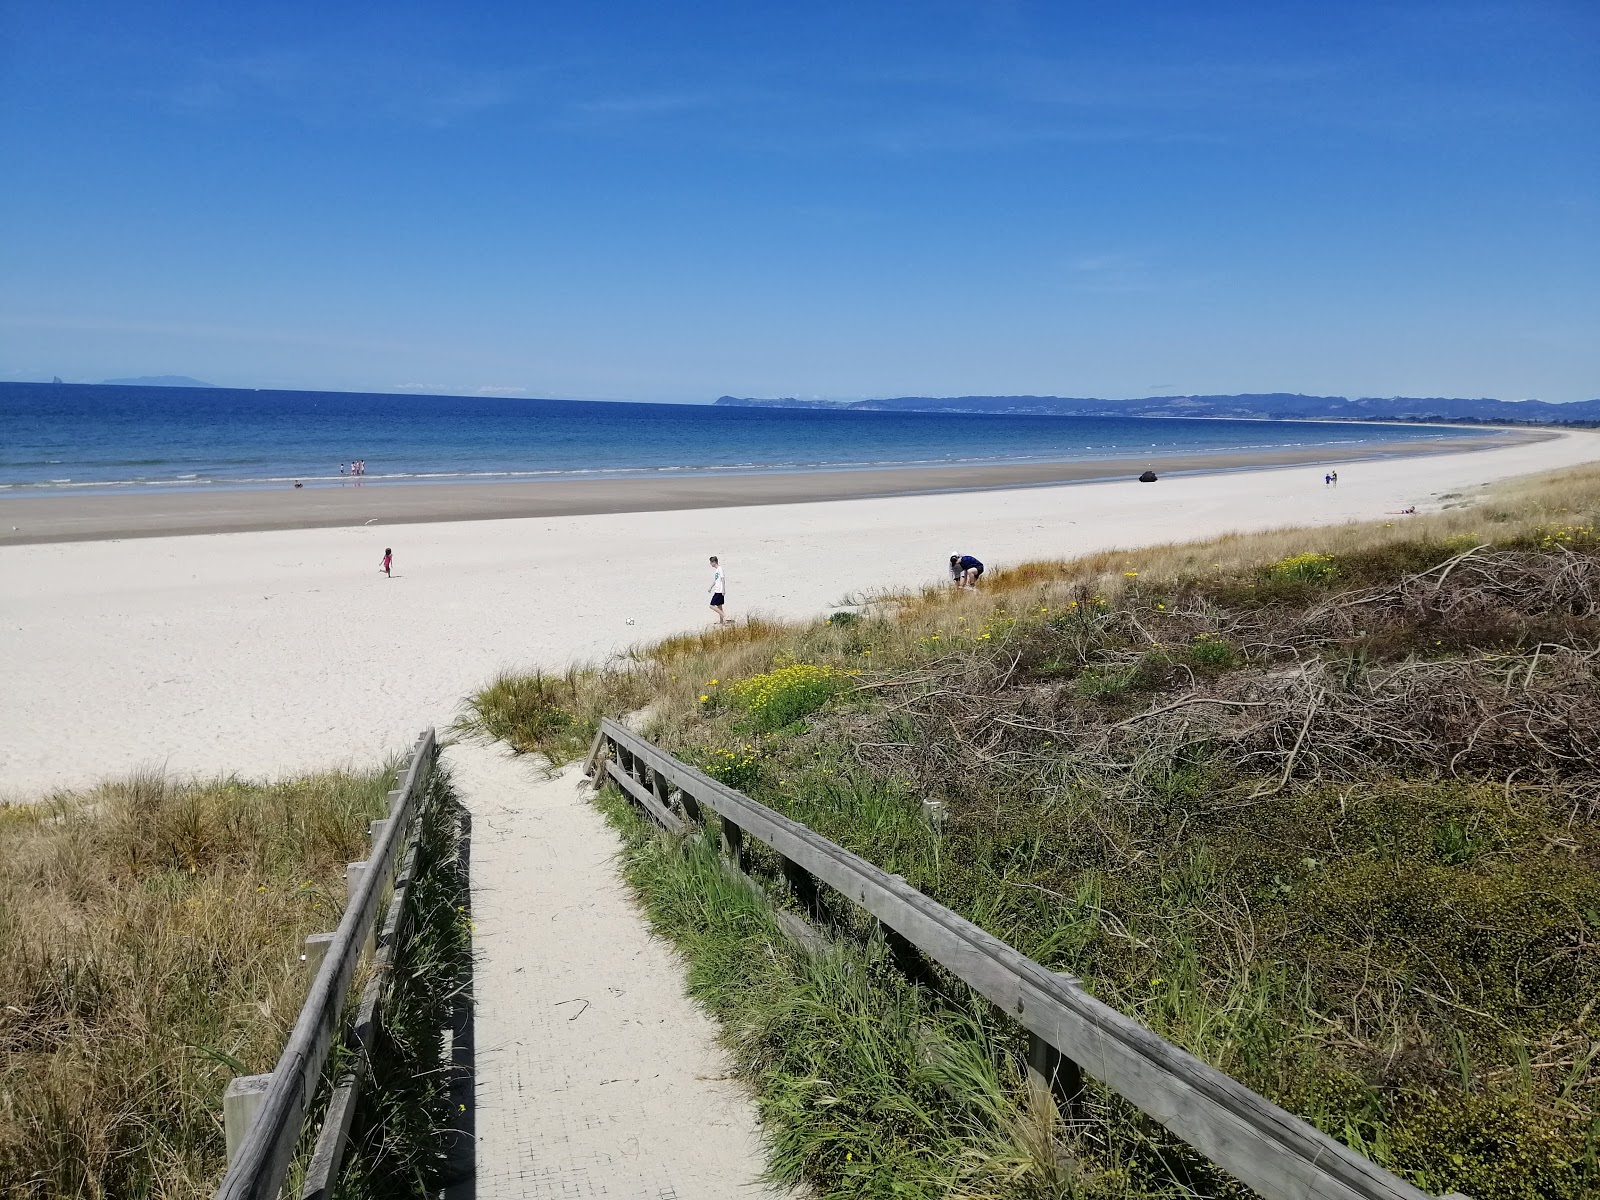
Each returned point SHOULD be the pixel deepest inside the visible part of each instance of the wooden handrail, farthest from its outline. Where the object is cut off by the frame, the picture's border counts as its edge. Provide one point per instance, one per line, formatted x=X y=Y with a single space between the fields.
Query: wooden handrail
x=1260 y=1144
x=258 y=1170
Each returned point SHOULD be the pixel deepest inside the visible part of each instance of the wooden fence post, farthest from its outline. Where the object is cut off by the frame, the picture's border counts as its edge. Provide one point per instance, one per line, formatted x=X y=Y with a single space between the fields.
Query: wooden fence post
x=733 y=844
x=804 y=884
x=1053 y=1076
x=316 y=950
x=240 y=1103
x=353 y=875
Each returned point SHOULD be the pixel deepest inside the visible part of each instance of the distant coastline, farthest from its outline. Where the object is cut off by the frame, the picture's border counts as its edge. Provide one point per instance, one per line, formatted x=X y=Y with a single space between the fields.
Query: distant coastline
x=76 y=439
x=1265 y=406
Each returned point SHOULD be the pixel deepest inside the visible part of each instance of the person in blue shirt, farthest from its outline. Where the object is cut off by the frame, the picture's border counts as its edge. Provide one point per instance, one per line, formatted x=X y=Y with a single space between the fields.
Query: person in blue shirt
x=964 y=570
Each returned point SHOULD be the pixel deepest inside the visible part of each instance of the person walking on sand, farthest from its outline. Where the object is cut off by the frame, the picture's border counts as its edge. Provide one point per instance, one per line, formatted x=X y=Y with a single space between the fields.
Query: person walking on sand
x=964 y=570
x=1333 y=477
x=719 y=591
x=388 y=561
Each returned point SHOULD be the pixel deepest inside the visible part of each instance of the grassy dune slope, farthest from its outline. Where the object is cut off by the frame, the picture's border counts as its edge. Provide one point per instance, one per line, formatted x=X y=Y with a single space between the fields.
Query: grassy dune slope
x=149 y=943
x=1318 y=805
x=150 y=940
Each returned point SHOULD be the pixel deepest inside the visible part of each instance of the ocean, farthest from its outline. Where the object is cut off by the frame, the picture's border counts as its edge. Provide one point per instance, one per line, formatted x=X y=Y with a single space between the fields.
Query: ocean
x=57 y=438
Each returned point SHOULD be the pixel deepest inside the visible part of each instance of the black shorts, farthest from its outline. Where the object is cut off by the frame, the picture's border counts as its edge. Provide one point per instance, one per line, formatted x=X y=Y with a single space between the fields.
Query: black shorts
x=716 y=599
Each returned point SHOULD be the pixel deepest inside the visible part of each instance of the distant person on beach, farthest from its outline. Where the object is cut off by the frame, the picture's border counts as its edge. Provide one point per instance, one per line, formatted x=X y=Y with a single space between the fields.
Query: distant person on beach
x=341 y=468
x=297 y=483
x=1334 y=475
x=964 y=570
x=388 y=561
x=719 y=591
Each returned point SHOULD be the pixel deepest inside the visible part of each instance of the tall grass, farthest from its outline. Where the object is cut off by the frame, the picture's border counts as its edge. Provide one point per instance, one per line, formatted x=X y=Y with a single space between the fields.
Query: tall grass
x=1316 y=804
x=150 y=935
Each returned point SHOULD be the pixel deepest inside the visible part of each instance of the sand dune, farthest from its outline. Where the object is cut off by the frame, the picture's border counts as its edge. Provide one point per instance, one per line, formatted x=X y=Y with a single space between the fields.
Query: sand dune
x=270 y=652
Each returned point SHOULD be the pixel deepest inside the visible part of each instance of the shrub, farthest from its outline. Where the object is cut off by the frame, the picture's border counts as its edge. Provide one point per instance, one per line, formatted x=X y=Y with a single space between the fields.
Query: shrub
x=1303 y=568
x=521 y=710
x=1104 y=683
x=1211 y=653
x=786 y=694
x=739 y=768
x=843 y=619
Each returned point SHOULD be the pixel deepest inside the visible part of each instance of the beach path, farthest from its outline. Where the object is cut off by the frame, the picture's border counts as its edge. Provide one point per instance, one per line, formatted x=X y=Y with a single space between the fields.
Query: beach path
x=596 y=1075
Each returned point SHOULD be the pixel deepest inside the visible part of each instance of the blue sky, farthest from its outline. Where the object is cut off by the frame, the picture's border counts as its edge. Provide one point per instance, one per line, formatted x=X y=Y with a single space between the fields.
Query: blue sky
x=672 y=201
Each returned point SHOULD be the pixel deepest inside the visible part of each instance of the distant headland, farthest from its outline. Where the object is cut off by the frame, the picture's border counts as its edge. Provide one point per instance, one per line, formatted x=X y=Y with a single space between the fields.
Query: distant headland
x=1263 y=406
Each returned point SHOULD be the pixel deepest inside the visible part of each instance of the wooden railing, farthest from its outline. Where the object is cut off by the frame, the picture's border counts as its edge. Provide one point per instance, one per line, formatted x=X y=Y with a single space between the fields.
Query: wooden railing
x=1070 y=1032
x=264 y=1114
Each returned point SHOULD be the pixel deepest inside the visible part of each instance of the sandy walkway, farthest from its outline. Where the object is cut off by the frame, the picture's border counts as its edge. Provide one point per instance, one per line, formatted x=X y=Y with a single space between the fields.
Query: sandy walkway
x=269 y=652
x=596 y=1075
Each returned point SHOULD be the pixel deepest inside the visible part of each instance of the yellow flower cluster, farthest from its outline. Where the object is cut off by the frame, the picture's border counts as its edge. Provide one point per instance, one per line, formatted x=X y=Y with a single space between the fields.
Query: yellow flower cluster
x=739 y=768
x=1565 y=536
x=1307 y=567
x=787 y=693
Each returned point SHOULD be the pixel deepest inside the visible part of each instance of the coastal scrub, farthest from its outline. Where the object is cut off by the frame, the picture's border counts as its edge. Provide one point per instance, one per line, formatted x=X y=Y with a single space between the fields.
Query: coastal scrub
x=1316 y=805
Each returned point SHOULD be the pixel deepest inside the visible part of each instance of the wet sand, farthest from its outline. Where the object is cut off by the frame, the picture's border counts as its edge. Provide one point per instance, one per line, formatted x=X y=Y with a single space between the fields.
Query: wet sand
x=34 y=519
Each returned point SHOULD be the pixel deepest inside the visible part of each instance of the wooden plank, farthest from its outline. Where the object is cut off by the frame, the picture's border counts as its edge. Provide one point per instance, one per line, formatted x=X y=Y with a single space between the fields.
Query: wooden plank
x=594 y=752
x=733 y=844
x=241 y=1101
x=322 y=1173
x=258 y=1171
x=1259 y=1143
x=666 y=818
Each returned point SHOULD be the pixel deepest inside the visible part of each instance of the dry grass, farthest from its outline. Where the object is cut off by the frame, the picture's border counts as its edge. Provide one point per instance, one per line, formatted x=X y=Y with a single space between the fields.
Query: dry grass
x=150 y=935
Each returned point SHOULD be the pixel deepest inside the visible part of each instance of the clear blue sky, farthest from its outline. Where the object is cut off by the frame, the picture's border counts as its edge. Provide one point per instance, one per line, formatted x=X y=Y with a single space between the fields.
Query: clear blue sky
x=675 y=200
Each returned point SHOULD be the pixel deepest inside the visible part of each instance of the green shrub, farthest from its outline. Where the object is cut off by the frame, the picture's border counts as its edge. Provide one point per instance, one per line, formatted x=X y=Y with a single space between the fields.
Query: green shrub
x=1104 y=683
x=786 y=694
x=1210 y=653
x=843 y=619
x=524 y=711
x=739 y=768
x=1303 y=568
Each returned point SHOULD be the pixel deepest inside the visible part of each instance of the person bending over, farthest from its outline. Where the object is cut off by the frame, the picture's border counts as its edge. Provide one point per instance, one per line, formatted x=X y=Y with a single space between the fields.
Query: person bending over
x=964 y=570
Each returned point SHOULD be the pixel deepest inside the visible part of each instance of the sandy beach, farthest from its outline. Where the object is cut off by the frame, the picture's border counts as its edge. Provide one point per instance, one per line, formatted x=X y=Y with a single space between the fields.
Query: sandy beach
x=282 y=650
x=32 y=518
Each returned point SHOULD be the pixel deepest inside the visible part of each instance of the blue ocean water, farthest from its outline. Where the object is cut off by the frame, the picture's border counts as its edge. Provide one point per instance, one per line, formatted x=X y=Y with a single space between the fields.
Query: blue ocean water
x=68 y=437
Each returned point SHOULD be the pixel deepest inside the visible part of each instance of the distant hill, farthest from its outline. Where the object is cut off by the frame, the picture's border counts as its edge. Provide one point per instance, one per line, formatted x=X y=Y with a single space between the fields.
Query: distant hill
x=1264 y=406
x=160 y=381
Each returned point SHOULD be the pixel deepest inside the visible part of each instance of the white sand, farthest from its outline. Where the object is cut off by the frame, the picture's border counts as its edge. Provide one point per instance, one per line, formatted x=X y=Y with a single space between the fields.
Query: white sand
x=596 y=1075
x=266 y=653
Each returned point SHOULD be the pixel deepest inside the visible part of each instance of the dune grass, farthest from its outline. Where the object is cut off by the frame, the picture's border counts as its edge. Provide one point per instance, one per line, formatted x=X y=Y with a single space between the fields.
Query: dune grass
x=150 y=940
x=1318 y=805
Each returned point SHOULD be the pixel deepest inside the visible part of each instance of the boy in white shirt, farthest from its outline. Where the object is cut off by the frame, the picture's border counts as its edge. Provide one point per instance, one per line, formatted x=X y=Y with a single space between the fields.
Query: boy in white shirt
x=718 y=590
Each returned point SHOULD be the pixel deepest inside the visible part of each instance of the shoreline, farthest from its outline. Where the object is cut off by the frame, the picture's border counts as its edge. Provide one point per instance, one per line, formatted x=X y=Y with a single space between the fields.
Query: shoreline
x=284 y=651
x=44 y=519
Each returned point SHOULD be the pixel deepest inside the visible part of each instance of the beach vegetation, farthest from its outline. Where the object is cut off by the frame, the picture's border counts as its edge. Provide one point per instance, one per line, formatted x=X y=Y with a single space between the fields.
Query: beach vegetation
x=150 y=949
x=1330 y=827
x=787 y=693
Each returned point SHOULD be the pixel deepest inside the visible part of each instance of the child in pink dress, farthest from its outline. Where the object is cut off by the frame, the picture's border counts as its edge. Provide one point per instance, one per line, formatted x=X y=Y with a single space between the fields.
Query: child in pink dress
x=388 y=559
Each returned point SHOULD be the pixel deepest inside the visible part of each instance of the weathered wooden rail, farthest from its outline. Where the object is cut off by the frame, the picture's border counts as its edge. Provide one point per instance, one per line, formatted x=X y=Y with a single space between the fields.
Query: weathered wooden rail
x=1070 y=1032
x=265 y=1114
